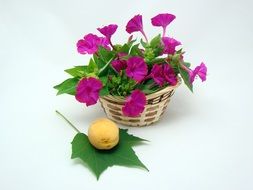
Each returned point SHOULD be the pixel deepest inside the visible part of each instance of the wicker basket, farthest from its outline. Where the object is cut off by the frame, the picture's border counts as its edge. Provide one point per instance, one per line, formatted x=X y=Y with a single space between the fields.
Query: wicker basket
x=156 y=104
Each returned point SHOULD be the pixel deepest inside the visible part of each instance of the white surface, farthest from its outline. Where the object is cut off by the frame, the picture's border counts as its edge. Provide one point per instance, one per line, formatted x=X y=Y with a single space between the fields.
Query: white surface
x=204 y=140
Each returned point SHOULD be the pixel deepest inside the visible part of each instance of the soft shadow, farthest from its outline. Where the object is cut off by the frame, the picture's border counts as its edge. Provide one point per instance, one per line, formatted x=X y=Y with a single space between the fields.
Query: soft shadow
x=178 y=108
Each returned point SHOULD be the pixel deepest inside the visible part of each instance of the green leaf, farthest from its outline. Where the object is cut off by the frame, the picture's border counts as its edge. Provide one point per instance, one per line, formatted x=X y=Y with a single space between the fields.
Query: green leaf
x=105 y=69
x=150 y=86
x=156 y=41
x=104 y=59
x=104 y=79
x=124 y=49
x=101 y=63
x=131 y=43
x=130 y=139
x=135 y=51
x=95 y=58
x=150 y=91
x=186 y=64
x=157 y=61
x=67 y=87
x=105 y=54
x=92 y=67
x=84 y=71
x=180 y=51
x=99 y=160
x=144 y=44
x=149 y=54
x=186 y=78
x=158 y=50
x=77 y=71
x=104 y=91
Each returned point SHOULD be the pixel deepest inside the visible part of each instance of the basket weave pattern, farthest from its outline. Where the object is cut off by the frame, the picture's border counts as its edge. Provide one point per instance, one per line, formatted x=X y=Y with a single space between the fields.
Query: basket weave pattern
x=156 y=105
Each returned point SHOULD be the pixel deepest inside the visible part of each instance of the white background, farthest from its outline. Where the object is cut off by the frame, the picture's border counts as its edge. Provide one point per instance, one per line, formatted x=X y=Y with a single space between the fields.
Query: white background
x=203 y=142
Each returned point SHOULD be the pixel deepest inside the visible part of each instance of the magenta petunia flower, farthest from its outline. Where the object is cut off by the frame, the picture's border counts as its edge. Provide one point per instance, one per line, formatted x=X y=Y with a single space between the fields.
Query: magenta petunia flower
x=108 y=31
x=162 y=74
x=200 y=71
x=90 y=43
x=134 y=104
x=87 y=90
x=163 y=20
x=170 y=45
x=169 y=74
x=119 y=65
x=136 y=68
x=158 y=75
x=135 y=25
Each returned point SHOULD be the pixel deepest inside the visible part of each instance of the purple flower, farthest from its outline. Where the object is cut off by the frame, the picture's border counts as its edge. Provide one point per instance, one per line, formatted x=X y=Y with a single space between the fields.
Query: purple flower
x=158 y=75
x=170 y=45
x=108 y=31
x=200 y=71
x=135 y=25
x=119 y=64
x=162 y=74
x=136 y=68
x=163 y=20
x=134 y=104
x=87 y=90
x=169 y=74
x=90 y=43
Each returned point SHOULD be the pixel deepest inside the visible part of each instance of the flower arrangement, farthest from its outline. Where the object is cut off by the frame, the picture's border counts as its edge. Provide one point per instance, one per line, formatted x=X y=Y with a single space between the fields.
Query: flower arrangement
x=131 y=70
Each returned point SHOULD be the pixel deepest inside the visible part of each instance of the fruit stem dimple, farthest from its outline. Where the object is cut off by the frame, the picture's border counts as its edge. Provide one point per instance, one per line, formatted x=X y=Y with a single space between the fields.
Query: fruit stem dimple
x=68 y=121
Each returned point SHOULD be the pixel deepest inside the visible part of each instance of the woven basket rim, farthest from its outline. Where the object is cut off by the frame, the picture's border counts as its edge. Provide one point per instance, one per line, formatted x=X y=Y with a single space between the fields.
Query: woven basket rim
x=149 y=96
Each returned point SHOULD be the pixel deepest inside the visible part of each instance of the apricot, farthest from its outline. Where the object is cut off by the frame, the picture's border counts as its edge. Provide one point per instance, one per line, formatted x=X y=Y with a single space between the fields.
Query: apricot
x=103 y=134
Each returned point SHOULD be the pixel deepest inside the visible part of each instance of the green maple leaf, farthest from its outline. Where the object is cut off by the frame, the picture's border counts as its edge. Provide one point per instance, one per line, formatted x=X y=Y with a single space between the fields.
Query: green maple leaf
x=99 y=160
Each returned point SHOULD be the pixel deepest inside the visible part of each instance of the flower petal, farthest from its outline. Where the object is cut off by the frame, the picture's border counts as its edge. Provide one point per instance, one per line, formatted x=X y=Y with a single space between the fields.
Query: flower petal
x=135 y=104
x=158 y=75
x=201 y=71
x=119 y=65
x=169 y=74
x=135 y=24
x=90 y=43
x=162 y=20
x=87 y=90
x=108 y=31
x=136 y=68
x=170 y=45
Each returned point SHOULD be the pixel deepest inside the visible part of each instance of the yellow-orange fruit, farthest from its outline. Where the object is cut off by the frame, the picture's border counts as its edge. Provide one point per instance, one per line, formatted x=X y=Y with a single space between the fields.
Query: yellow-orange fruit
x=103 y=134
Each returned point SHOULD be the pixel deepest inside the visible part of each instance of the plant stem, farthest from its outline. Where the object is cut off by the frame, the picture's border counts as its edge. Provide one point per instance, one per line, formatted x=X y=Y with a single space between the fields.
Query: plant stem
x=110 y=42
x=164 y=31
x=184 y=67
x=96 y=53
x=103 y=68
x=143 y=33
x=68 y=121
